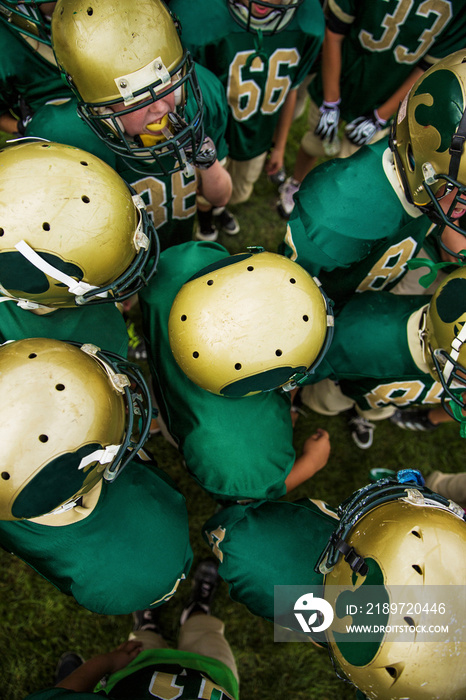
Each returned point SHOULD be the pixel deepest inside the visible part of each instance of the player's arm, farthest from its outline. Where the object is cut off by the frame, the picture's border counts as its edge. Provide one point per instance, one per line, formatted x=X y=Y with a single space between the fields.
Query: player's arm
x=388 y=109
x=362 y=129
x=8 y=123
x=315 y=456
x=331 y=65
x=86 y=676
x=215 y=185
x=277 y=154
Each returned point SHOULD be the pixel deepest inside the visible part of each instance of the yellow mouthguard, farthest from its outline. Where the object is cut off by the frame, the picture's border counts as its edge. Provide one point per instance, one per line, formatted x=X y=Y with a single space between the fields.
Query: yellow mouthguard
x=158 y=136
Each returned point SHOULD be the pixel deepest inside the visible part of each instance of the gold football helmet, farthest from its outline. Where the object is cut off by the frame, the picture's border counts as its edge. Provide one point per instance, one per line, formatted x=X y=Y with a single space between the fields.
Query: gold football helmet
x=396 y=543
x=444 y=339
x=71 y=231
x=427 y=141
x=249 y=323
x=69 y=421
x=26 y=17
x=129 y=58
x=277 y=19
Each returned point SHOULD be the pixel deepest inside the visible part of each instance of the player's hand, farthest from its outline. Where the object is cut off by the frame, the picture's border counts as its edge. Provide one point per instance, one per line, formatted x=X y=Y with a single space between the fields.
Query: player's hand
x=318 y=446
x=123 y=654
x=362 y=129
x=274 y=161
x=327 y=127
x=206 y=155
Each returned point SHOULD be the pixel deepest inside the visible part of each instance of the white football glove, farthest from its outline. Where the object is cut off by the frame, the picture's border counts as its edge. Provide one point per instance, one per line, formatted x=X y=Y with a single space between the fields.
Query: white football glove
x=362 y=129
x=327 y=127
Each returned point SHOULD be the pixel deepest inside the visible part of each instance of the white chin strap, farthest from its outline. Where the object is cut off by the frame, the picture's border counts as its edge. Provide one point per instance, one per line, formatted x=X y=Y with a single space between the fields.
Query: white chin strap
x=104 y=456
x=74 y=287
x=456 y=346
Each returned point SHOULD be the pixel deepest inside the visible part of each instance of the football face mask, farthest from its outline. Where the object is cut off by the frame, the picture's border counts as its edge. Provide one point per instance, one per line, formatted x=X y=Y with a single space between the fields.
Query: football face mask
x=30 y=18
x=263 y=16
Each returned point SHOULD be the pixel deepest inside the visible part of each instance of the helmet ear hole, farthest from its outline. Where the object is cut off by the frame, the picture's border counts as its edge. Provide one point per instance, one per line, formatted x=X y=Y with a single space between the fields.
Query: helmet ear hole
x=410 y=158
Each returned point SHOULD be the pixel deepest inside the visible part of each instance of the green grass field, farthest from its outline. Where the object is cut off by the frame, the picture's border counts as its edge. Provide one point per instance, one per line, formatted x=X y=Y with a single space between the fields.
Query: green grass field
x=39 y=623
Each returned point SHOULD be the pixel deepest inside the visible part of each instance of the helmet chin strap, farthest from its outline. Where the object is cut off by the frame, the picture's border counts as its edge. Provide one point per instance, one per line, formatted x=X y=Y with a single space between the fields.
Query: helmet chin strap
x=456 y=345
x=75 y=287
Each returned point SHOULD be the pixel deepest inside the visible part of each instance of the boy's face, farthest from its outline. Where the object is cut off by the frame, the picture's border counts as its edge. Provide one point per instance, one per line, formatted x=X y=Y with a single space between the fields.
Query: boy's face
x=260 y=11
x=455 y=241
x=139 y=121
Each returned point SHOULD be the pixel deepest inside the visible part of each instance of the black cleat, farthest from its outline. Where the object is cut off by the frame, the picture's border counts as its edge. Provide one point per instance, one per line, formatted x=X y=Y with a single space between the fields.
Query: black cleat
x=203 y=588
x=413 y=419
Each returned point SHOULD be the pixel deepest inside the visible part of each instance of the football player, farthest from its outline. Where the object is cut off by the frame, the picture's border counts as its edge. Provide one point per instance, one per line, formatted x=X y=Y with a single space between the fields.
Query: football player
x=74 y=241
x=80 y=502
x=394 y=537
x=140 y=105
x=261 y=51
x=370 y=59
x=240 y=327
x=390 y=352
x=202 y=665
x=358 y=221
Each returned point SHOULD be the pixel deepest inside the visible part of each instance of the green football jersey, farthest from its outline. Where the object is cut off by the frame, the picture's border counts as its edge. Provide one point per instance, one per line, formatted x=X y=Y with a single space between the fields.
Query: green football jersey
x=235 y=448
x=128 y=554
x=24 y=72
x=99 y=324
x=269 y=543
x=384 y=42
x=170 y=200
x=351 y=225
x=160 y=673
x=256 y=72
x=371 y=353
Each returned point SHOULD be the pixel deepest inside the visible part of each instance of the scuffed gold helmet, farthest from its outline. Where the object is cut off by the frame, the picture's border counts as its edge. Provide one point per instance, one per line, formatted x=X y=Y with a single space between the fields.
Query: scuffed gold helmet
x=71 y=232
x=129 y=57
x=249 y=323
x=26 y=18
x=444 y=341
x=428 y=138
x=399 y=548
x=68 y=421
x=269 y=17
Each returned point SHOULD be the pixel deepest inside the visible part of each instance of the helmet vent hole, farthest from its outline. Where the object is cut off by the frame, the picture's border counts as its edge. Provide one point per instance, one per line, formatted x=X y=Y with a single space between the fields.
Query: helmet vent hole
x=90 y=11
x=210 y=282
x=292 y=280
x=32 y=355
x=1 y=232
x=195 y=354
x=391 y=671
x=46 y=226
x=306 y=318
x=5 y=476
x=238 y=366
x=278 y=353
x=416 y=534
x=250 y=268
x=83 y=162
x=85 y=199
x=43 y=438
x=59 y=387
x=409 y=621
x=417 y=569
x=184 y=317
